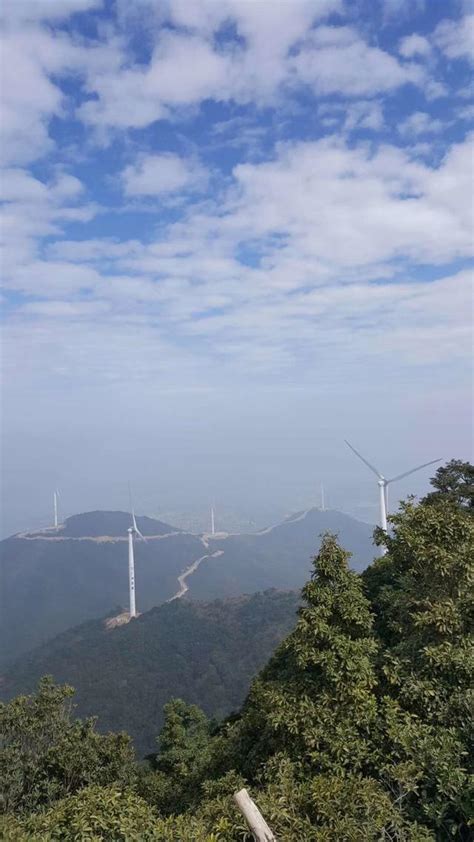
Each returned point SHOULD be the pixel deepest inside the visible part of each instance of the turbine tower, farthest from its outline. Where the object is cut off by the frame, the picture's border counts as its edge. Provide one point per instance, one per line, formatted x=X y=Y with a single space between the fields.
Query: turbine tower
x=383 y=484
x=213 y=526
x=55 y=502
x=131 y=575
x=323 y=507
x=132 y=531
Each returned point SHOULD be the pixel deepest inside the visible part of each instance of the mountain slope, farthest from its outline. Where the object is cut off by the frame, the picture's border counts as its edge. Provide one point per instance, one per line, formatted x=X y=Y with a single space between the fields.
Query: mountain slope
x=205 y=654
x=280 y=556
x=115 y=524
x=55 y=579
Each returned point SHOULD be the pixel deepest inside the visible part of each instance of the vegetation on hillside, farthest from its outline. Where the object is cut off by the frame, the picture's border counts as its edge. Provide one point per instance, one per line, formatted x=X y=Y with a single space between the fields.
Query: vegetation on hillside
x=358 y=729
x=206 y=653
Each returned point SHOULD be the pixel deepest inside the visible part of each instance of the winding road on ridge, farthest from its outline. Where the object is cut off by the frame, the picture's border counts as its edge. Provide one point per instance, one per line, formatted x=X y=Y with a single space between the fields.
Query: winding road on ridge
x=50 y=534
x=183 y=586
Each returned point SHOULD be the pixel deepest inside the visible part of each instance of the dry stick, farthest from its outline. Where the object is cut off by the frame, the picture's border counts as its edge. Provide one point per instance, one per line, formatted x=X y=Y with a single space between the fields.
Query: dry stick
x=253 y=817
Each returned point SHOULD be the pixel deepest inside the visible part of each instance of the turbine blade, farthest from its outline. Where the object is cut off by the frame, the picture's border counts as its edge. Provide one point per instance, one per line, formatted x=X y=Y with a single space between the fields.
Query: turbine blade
x=407 y=473
x=132 y=510
x=135 y=528
x=137 y=532
x=374 y=470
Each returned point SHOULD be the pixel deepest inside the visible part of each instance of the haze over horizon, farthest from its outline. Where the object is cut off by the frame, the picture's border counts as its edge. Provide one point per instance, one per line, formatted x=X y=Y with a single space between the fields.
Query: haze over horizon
x=233 y=236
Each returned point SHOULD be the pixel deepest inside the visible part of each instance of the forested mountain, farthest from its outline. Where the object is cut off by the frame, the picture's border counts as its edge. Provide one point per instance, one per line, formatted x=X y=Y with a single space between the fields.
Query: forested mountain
x=55 y=579
x=280 y=556
x=358 y=729
x=205 y=653
x=114 y=524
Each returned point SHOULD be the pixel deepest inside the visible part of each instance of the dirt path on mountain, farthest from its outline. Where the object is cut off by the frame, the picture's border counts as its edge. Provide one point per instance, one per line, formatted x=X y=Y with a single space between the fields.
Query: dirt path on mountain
x=283 y=523
x=183 y=585
x=99 y=539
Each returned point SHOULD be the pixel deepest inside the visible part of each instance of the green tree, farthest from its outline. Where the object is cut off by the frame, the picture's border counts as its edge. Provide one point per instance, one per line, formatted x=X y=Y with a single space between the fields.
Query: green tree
x=423 y=595
x=455 y=482
x=315 y=700
x=46 y=754
x=113 y=814
x=184 y=740
x=178 y=768
x=108 y=813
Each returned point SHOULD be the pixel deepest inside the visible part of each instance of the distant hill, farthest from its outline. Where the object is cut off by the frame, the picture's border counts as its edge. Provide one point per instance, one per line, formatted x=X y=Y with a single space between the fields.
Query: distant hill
x=55 y=579
x=280 y=556
x=114 y=524
x=205 y=654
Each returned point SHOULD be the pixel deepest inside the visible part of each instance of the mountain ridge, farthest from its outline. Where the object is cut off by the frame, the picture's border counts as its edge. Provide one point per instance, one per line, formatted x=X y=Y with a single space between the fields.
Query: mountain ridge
x=58 y=578
x=102 y=524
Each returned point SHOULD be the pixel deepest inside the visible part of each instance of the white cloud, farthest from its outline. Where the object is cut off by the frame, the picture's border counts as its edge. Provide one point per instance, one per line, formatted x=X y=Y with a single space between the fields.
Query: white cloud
x=352 y=207
x=415 y=45
x=337 y=60
x=456 y=38
x=15 y=11
x=364 y=115
x=187 y=67
x=65 y=309
x=48 y=279
x=320 y=213
x=359 y=114
x=34 y=209
x=300 y=266
x=93 y=250
x=324 y=225
x=347 y=215
x=361 y=326
x=183 y=71
x=420 y=123
x=29 y=99
x=32 y=57
x=153 y=175
x=401 y=8
x=466 y=113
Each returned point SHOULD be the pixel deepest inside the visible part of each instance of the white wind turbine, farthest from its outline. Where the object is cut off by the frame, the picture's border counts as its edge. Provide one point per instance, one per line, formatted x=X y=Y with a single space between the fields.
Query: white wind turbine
x=132 y=531
x=383 y=484
x=55 y=503
x=213 y=525
x=323 y=507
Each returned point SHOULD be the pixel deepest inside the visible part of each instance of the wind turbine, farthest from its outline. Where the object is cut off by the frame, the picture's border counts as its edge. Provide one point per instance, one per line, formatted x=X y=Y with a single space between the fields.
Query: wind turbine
x=55 y=502
x=383 y=484
x=213 y=526
x=323 y=507
x=132 y=531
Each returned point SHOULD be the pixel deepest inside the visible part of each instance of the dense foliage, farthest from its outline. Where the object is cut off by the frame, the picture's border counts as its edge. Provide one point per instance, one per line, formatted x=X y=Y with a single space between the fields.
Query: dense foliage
x=47 y=754
x=454 y=482
x=358 y=729
x=208 y=653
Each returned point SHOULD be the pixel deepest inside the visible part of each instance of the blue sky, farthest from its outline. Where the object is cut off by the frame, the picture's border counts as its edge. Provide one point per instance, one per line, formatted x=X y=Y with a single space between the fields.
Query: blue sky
x=241 y=222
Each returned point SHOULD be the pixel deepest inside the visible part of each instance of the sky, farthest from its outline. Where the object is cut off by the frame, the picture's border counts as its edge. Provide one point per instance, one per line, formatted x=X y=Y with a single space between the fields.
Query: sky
x=234 y=233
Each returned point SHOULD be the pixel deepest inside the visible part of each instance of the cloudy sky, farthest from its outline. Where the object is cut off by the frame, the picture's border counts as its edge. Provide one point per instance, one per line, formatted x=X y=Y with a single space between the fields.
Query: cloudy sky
x=234 y=233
